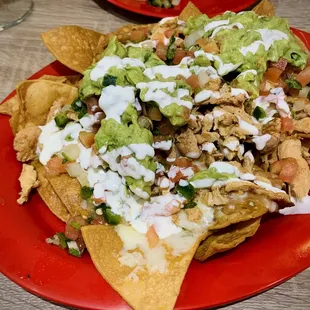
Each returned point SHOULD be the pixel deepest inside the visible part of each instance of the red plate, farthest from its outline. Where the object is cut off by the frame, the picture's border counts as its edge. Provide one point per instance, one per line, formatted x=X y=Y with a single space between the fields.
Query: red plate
x=210 y=7
x=279 y=250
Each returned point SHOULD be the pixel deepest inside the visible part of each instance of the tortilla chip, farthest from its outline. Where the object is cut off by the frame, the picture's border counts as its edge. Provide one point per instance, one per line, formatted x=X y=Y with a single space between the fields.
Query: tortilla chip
x=68 y=190
x=188 y=11
x=242 y=211
x=36 y=98
x=54 y=78
x=264 y=8
x=7 y=106
x=73 y=46
x=146 y=291
x=227 y=239
x=49 y=195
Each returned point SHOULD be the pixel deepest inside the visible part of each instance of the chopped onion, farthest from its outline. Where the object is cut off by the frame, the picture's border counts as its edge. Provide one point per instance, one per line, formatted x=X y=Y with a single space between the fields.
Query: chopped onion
x=304 y=92
x=71 y=151
x=192 y=38
x=299 y=104
x=148 y=44
x=74 y=169
x=83 y=179
x=203 y=78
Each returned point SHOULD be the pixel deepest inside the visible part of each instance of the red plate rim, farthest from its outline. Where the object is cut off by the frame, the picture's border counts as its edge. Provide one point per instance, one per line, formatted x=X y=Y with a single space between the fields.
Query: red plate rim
x=291 y=260
x=149 y=10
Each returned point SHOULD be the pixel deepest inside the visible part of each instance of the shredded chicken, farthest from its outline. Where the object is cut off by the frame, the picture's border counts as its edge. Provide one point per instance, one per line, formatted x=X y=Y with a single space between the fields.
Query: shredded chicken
x=301 y=182
x=188 y=144
x=194 y=214
x=25 y=143
x=28 y=180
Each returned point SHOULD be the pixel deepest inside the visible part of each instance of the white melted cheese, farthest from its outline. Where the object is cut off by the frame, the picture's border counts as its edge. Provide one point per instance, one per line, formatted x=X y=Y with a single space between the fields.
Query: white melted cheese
x=222 y=67
x=234 y=25
x=114 y=100
x=163 y=145
x=249 y=128
x=260 y=141
x=127 y=166
x=269 y=36
x=269 y=187
x=155 y=93
x=167 y=71
x=209 y=147
x=107 y=62
x=53 y=140
x=154 y=258
x=215 y=24
x=301 y=206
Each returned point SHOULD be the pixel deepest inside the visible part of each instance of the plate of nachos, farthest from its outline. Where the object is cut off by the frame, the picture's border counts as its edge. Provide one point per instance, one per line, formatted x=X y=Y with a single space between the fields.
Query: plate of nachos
x=161 y=166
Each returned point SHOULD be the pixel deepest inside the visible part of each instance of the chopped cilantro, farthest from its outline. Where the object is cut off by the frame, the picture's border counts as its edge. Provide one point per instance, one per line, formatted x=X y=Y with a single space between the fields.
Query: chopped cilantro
x=292 y=83
x=171 y=49
x=190 y=205
x=259 y=113
x=62 y=240
x=111 y=218
x=68 y=138
x=64 y=161
x=187 y=191
x=75 y=252
x=61 y=120
x=109 y=80
x=86 y=192
x=75 y=225
x=80 y=107
x=66 y=157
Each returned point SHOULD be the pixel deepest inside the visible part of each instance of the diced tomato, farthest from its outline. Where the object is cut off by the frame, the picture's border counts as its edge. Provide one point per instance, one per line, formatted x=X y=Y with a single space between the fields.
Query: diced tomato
x=169 y=33
x=193 y=81
x=303 y=77
x=80 y=243
x=178 y=56
x=139 y=35
x=55 y=166
x=178 y=176
x=287 y=124
x=285 y=168
x=272 y=74
x=281 y=64
x=161 y=50
x=98 y=220
x=87 y=138
x=182 y=162
x=152 y=237
x=73 y=227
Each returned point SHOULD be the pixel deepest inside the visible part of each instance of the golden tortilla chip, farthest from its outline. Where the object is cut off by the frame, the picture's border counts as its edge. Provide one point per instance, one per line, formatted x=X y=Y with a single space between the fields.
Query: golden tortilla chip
x=73 y=46
x=264 y=8
x=68 y=190
x=49 y=195
x=251 y=208
x=188 y=11
x=72 y=80
x=7 y=106
x=36 y=98
x=227 y=239
x=140 y=288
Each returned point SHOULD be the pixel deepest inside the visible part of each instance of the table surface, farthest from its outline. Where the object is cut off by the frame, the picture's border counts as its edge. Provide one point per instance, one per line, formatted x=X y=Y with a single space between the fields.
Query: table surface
x=22 y=53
